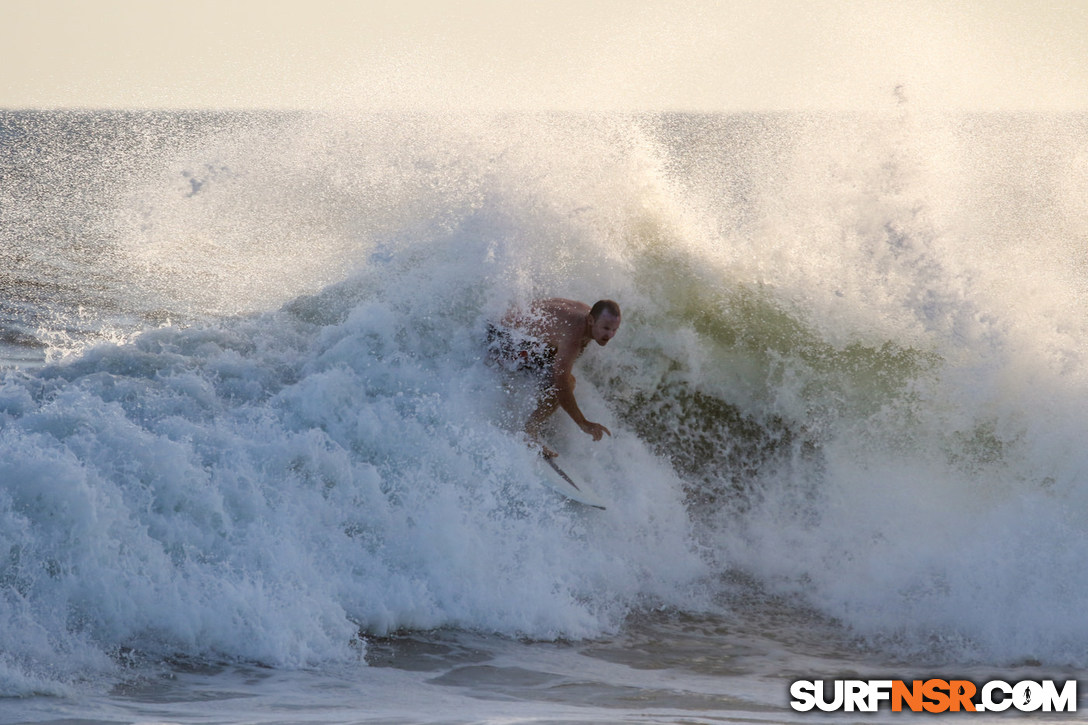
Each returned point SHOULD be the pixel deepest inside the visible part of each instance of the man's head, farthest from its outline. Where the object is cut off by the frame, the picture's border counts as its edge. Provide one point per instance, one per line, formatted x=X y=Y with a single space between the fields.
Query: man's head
x=604 y=321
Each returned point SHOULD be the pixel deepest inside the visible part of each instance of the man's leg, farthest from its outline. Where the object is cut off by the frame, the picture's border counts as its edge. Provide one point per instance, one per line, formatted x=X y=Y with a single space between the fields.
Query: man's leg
x=549 y=401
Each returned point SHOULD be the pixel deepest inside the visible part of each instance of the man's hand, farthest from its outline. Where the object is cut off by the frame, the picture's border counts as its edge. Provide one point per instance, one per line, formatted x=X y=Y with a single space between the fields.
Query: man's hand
x=595 y=429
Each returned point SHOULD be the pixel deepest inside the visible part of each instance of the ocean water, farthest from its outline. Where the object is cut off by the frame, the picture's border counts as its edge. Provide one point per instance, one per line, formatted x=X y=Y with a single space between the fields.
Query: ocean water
x=254 y=469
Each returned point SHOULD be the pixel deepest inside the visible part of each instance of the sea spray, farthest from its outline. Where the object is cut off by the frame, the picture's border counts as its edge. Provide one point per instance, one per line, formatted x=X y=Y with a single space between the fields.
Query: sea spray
x=825 y=386
x=947 y=499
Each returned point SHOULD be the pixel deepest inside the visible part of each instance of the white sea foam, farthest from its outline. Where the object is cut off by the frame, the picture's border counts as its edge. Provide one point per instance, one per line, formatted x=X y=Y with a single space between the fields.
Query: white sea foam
x=827 y=378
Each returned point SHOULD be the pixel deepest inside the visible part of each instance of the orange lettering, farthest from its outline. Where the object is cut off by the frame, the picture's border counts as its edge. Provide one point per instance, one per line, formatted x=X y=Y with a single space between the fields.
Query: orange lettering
x=912 y=695
x=961 y=693
x=935 y=691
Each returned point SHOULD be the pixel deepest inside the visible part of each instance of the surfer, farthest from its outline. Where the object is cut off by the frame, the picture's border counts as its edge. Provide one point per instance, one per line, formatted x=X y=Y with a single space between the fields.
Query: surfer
x=546 y=341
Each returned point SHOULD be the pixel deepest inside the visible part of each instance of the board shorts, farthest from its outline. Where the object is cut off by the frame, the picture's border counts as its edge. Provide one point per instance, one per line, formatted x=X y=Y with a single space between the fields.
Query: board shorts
x=516 y=351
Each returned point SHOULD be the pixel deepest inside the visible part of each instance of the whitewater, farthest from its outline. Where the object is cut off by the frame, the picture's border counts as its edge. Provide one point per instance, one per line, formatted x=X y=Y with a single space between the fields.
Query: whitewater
x=254 y=466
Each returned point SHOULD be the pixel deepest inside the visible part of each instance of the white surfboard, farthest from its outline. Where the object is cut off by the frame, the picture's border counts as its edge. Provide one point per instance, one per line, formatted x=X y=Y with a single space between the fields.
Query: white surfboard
x=558 y=480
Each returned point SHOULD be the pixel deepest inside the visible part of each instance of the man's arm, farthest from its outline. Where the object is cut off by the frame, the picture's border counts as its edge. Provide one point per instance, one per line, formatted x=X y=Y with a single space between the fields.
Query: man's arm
x=564 y=387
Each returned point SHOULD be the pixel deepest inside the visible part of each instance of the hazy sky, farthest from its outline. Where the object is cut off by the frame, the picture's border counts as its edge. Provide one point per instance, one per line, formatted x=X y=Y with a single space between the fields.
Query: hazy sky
x=567 y=54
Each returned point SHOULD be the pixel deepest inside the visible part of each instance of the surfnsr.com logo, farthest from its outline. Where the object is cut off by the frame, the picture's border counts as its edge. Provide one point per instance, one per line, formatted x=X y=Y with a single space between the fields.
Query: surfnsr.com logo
x=933 y=695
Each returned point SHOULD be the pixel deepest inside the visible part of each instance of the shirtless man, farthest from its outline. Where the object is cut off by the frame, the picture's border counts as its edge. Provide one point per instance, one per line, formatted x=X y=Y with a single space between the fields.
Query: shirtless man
x=547 y=340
